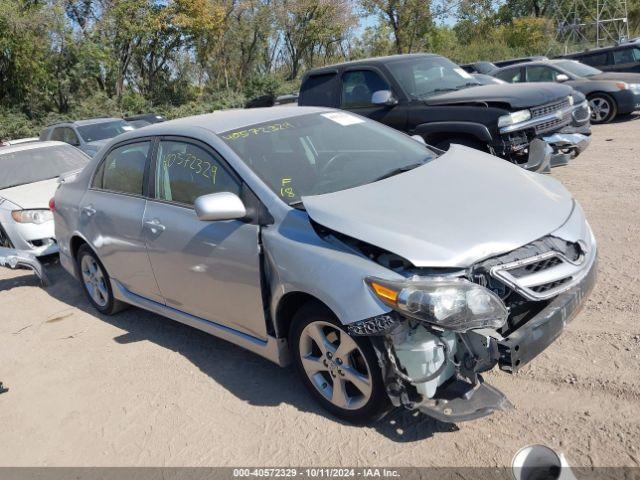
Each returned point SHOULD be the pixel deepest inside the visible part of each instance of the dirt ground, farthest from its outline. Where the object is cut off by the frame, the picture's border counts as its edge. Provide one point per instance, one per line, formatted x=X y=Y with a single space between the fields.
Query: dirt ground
x=138 y=389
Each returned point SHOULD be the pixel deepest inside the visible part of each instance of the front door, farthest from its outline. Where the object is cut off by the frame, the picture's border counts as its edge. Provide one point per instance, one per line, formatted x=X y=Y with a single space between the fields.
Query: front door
x=207 y=269
x=358 y=87
x=111 y=215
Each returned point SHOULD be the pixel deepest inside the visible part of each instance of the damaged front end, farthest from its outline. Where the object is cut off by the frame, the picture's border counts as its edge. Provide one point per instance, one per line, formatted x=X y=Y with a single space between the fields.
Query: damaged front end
x=447 y=328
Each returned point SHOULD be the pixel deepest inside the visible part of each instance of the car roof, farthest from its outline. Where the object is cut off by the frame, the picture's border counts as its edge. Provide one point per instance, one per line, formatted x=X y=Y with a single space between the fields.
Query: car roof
x=631 y=43
x=225 y=120
x=30 y=146
x=88 y=121
x=371 y=61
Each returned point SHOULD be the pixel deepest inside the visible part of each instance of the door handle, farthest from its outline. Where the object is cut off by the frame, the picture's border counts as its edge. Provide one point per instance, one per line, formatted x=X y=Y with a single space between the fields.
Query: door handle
x=89 y=211
x=154 y=225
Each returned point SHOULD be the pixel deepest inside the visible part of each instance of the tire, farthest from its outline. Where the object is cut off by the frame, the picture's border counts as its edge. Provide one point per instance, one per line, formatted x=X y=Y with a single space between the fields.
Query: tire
x=96 y=282
x=466 y=141
x=362 y=396
x=603 y=108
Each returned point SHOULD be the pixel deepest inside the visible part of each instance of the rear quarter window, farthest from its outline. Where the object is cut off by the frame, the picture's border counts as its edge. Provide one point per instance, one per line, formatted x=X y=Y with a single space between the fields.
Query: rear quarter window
x=320 y=90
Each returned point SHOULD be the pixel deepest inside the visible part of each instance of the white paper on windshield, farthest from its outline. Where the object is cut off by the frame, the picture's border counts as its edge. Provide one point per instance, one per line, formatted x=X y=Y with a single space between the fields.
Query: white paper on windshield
x=342 y=118
x=462 y=73
x=127 y=127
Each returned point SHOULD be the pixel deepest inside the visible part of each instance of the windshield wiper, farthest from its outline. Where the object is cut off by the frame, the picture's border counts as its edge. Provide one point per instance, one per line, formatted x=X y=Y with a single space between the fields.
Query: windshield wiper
x=399 y=170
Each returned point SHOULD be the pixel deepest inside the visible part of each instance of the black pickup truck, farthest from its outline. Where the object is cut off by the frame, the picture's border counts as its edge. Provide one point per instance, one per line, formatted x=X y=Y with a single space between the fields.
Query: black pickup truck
x=535 y=126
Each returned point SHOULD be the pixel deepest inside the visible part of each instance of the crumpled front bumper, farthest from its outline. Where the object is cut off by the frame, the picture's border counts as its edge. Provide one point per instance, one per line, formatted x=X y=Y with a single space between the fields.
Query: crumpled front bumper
x=566 y=146
x=12 y=258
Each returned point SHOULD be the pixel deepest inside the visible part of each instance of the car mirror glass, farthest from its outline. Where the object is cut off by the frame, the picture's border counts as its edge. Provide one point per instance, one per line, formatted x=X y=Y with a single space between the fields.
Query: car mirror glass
x=219 y=206
x=383 y=97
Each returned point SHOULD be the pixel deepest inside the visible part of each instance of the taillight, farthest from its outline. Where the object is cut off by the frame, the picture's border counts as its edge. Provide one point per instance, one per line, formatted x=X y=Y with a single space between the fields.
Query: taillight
x=52 y=204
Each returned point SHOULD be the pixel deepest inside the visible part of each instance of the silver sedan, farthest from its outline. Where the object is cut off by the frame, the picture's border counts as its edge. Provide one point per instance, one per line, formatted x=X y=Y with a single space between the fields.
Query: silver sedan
x=388 y=273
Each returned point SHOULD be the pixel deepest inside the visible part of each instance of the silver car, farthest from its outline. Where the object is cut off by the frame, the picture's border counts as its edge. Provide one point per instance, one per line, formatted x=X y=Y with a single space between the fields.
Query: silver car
x=388 y=273
x=29 y=175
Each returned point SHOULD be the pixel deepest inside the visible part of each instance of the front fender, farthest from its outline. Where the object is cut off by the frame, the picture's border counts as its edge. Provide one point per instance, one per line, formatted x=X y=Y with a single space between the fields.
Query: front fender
x=477 y=130
x=301 y=261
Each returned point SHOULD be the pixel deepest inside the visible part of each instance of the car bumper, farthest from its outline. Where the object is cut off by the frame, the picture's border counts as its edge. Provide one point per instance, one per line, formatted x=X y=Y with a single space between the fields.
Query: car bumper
x=13 y=258
x=35 y=239
x=528 y=341
x=566 y=146
x=628 y=101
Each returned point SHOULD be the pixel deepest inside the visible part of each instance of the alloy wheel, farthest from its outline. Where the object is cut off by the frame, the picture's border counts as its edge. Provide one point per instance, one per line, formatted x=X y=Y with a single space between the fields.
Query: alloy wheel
x=335 y=365
x=94 y=280
x=600 y=109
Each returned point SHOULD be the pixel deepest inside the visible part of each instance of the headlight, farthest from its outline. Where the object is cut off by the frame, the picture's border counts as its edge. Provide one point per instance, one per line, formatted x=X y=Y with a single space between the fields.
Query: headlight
x=453 y=304
x=515 y=117
x=635 y=87
x=32 y=216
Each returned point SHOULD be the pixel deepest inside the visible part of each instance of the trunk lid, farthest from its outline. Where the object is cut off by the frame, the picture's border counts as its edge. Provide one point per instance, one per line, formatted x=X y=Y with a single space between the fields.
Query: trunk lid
x=458 y=209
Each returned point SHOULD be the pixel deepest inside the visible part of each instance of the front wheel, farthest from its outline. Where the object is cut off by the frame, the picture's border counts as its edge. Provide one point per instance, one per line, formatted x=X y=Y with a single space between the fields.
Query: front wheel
x=340 y=371
x=603 y=108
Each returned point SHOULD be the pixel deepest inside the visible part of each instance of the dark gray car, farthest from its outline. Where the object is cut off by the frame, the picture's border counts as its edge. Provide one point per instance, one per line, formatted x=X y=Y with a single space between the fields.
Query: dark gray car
x=387 y=273
x=609 y=94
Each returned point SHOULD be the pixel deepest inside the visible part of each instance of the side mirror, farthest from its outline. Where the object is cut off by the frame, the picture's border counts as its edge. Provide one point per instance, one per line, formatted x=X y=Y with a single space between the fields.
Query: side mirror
x=561 y=78
x=219 y=206
x=419 y=139
x=383 y=97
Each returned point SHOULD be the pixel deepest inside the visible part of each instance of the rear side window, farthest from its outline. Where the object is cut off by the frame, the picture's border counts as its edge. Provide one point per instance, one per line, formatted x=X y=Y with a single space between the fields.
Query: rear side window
x=359 y=85
x=185 y=171
x=626 y=55
x=512 y=75
x=122 y=170
x=320 y=90
x=595 y=60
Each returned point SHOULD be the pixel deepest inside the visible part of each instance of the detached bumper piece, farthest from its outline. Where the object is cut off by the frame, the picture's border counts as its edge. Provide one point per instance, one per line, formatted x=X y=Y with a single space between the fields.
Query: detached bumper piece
x=527 y=342
x=540 y=153
x=459 y=401
x=13 y=258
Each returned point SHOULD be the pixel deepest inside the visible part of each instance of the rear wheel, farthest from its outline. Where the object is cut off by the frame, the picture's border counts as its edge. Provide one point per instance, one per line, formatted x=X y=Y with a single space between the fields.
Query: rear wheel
x=340 y=371
x=96 y=282
x=603 y=108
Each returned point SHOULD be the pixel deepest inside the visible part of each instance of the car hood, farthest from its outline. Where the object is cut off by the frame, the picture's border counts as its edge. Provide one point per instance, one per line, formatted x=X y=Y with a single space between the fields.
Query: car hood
x=460 y=208
x=31 y=195
x=617 y=76
x=517 y=96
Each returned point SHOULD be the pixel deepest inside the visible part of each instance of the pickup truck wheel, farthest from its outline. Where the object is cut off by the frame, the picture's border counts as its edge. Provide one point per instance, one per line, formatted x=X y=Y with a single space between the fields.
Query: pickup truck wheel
x=96 y=283
x=467 y=142
x=341 y=372
x=603 y=108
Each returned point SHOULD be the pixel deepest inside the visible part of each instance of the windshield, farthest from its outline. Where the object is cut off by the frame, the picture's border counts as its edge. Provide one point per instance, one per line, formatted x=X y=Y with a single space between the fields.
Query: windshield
x=578 y=68
x=323 y=153
x=37 y=164
x=104 y=130
x=421 y=77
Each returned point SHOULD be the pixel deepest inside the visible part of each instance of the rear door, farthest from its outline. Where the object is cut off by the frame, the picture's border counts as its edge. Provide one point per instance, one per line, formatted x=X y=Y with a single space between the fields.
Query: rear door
x=357 y=88
x=207 y=269
x=111 y=214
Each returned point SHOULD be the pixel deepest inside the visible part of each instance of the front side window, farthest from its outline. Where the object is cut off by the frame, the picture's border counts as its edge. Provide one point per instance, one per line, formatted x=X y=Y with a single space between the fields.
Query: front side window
x=103 y=130
x=358 y=86
x=32 y=165
x=540 y=73
x=324 y=152
x=66 y=135
x=422 y=77
x=185 y=172
x=123 y=169
x=512 y=75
